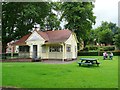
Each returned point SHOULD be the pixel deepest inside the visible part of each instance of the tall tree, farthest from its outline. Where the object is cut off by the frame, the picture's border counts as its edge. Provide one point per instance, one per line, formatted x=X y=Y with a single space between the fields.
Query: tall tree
x=18 y=19
x=105 y=32
x=79 y=17
x=117 y=39
x=106 y=37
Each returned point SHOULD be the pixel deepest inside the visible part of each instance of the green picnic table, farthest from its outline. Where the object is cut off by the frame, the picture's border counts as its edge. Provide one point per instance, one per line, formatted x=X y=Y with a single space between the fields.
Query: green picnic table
x=88 y=61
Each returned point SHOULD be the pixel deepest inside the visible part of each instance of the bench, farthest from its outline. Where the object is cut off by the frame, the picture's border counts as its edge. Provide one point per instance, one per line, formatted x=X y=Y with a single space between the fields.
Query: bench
x=88 y=61
x=96 y=63
x=84 y=63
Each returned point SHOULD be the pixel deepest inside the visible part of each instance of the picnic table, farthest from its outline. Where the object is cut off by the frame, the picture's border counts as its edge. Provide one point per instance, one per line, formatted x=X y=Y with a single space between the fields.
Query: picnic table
x=88 y=61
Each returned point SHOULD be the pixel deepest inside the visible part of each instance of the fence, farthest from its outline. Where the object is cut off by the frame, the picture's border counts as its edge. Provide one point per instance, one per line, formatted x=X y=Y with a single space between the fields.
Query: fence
x=6 y=56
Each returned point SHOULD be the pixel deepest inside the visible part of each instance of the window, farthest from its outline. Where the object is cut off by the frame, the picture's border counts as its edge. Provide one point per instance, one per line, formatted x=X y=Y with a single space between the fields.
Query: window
x=68 y=49
x=24 y=48
x=43 y=49
x=55 y=49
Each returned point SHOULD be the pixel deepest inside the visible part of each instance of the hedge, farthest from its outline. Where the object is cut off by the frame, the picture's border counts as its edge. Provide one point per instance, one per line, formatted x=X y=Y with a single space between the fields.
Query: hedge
x=85 y=53
x=101 y=48
x=6 y=55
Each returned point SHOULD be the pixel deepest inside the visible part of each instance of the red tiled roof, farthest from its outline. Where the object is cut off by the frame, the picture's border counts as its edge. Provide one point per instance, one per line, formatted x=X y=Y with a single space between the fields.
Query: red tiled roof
x=55 y=36
x=49 y=36
x=22 y=40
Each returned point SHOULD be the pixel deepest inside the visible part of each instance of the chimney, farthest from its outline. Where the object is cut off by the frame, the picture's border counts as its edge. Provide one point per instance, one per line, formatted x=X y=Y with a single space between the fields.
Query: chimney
x=37 y=27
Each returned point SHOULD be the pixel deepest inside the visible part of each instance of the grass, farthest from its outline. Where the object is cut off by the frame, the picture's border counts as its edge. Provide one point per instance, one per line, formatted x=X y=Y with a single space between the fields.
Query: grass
x=0 y=74
x=43 y=75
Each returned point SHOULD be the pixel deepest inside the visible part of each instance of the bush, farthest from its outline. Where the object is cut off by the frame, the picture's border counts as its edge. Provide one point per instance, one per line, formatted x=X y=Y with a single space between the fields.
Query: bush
x=86 y=49
x=8 y=55
x=92 y=47
x=99 y=48
x=109 y=48
x=84 y=53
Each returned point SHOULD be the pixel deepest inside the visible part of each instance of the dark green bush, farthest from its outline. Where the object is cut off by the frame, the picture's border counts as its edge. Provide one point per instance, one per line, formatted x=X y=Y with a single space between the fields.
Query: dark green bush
x=89 y=47
x=84 y=53
x=93 y=47
x=99 y=48
x=8 y=55
x=109 y=48
x=86 y=49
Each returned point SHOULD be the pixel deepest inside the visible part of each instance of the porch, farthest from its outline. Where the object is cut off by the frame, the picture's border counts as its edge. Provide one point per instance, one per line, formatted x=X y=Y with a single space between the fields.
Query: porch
x=58 y=51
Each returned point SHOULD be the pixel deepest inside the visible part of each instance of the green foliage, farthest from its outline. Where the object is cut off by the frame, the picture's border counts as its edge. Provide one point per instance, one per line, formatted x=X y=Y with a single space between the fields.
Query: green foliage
x=106 y=36
x=43 y=75
x=92 y=37
x=92 y=47
x=117 y=40
x=108 y=48
x=106 y=32
x=79 y=17
x=99 y=48
x=18 y=19
x=96 y=53
x=8 y=56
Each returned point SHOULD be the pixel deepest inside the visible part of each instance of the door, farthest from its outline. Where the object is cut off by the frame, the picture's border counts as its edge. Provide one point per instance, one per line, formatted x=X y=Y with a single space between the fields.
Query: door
x=34 y=51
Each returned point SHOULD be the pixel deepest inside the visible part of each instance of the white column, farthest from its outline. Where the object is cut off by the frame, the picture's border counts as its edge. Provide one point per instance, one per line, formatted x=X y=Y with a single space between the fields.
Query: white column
x=39 y=51
x=31 y=51
x=64 y=52
x=47 y=51
x=12 y=51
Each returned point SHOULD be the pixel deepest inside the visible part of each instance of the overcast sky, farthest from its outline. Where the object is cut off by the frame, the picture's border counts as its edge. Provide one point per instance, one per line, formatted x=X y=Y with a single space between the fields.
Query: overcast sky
x=106 y=10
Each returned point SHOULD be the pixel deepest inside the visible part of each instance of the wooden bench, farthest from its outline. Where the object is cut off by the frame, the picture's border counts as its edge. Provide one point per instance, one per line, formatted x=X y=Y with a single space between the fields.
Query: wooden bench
x=96 y=63
x=88 y=61
x=84 y=63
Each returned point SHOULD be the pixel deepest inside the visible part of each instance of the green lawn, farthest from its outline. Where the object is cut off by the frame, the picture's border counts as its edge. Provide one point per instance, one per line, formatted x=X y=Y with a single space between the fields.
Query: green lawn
x=43 y=75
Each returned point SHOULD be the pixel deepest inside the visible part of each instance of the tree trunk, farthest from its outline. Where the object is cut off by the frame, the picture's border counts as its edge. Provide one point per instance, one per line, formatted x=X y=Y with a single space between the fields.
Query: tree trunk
x=4 y=46
x=85 y=43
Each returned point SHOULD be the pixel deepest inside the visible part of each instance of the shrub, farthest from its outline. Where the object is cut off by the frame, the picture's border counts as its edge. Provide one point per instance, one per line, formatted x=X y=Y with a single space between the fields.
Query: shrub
x=108 y=48
x=8 y=55
x=86 y=49
x=84 y=53
x=91 y=47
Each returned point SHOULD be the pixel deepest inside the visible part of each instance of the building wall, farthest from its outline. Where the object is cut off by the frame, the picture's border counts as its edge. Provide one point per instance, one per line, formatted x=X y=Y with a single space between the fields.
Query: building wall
x=73 y=43
x=46 y=54
x=24 y=54
x=35 y=39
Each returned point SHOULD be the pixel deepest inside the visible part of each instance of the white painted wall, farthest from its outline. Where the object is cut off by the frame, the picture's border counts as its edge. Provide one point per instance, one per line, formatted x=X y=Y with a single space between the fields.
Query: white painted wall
x=35 y=39
x=73 y=42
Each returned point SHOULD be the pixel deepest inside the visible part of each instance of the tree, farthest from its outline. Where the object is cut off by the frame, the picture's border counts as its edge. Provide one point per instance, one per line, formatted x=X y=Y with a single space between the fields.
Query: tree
x=92 y=37
x=18 y=19
x=105 y=32
x=52 y=20
x=106 y=37
x=117 y=40
x=79 y=17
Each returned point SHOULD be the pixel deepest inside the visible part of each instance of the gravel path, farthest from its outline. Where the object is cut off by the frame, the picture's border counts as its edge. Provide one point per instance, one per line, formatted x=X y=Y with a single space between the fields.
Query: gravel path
x=58 y=62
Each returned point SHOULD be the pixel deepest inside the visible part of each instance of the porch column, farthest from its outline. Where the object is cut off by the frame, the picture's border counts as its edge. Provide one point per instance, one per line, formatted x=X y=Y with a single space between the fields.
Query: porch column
x=47 y=52
x=64 y=52
x=31 y=51
x=12 y=51
x=39 y=53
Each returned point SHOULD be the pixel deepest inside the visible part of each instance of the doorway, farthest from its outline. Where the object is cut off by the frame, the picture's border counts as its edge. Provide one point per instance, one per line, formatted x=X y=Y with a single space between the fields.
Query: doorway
x=34 y=51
